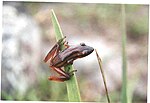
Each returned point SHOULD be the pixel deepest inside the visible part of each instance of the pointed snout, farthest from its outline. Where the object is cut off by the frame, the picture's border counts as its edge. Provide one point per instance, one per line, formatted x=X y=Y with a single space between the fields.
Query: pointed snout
x=90 y=50
x=87 y=50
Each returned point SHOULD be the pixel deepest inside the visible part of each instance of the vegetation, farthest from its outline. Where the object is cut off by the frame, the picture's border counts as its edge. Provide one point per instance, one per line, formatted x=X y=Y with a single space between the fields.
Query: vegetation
x=112 y=23
x=72 y=86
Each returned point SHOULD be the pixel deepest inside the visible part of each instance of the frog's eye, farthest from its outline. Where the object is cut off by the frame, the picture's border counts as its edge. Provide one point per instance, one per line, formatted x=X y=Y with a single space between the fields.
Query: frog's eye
x=82 y=44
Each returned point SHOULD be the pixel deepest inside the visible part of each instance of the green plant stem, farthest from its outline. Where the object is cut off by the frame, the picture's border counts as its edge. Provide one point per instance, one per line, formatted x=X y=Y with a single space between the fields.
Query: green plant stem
x=124 y=59
x=103 y=76
x=72 y=85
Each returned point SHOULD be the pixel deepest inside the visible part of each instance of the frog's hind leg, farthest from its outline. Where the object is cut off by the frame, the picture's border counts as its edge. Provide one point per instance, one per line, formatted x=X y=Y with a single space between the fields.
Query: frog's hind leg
x=61 y=72
x=63 y=75
x=59 y=79
x=52 y=52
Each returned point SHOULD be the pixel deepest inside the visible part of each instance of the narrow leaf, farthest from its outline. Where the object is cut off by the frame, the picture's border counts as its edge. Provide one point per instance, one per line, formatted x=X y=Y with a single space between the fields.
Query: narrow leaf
x=72 y=85
x=124 y=59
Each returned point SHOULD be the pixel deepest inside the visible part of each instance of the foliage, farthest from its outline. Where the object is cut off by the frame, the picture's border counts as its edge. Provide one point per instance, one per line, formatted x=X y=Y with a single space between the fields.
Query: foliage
x=72 y=86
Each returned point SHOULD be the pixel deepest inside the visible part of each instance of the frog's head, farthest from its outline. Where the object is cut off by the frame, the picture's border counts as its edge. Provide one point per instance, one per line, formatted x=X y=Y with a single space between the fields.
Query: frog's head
x=85 y=50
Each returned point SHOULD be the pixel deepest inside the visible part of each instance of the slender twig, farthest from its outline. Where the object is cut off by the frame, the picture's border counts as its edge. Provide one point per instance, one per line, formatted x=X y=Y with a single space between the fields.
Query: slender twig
x=103 y=76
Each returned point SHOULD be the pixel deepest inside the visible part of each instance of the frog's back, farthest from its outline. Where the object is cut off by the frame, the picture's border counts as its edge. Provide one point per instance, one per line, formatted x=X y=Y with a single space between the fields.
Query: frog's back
x=62 y=57
x=57 y=61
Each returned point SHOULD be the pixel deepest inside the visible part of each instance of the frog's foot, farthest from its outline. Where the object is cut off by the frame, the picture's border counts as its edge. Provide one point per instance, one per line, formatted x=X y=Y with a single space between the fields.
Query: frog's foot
x=62 y=40
x=72 y=72
x=65 y=43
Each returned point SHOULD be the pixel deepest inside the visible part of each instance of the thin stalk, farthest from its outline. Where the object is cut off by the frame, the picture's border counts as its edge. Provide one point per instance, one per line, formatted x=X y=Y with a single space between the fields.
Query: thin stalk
x=124 y=59
x=72 y=85
x=103 y=76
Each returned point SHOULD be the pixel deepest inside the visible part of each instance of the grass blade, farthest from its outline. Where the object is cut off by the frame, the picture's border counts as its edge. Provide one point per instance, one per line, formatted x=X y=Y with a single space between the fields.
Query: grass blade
x=124 y=59
x=72 y=85
x=104 y=80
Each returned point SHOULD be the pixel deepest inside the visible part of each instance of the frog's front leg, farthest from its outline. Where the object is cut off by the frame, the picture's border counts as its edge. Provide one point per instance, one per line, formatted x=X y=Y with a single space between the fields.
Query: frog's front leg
x=66 y=44
x=52 y=53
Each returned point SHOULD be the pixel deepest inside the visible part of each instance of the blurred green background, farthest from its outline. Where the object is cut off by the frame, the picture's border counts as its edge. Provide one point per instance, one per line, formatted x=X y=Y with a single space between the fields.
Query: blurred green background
x=98 y=25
